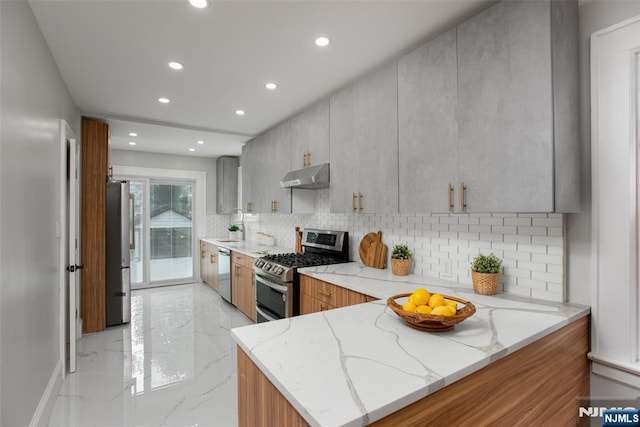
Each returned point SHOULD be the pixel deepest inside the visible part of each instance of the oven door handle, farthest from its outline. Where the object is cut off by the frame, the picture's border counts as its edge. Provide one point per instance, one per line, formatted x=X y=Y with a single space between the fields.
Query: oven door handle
x=272 y=285
x=265 y=315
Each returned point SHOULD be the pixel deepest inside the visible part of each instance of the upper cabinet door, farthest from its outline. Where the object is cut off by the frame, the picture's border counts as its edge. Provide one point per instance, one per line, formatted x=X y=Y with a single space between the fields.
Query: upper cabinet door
x=506 y=109
x=364 y=144
x=248 y=169
x=275 y=165
x=310 y=136
x=428 y=125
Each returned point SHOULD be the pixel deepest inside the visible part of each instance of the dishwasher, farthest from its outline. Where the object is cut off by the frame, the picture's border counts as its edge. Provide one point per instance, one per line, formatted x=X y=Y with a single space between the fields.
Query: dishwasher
x=224 y=273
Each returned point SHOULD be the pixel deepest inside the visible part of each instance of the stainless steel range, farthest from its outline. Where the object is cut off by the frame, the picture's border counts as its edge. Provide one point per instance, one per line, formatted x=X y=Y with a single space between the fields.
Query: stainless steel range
x=277 y=284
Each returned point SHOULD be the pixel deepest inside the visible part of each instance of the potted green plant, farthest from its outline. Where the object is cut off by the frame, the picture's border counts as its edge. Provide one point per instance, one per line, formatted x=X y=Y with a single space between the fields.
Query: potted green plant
x=485 y=274
x=401 y=257
x=233 y=231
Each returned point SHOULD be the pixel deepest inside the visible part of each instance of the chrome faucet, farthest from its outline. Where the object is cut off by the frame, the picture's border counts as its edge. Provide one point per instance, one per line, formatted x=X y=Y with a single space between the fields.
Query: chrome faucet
x=231 y=220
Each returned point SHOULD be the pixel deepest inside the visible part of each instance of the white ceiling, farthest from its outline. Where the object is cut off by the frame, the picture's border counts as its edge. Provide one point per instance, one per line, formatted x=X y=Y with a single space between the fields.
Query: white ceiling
x=113 y=56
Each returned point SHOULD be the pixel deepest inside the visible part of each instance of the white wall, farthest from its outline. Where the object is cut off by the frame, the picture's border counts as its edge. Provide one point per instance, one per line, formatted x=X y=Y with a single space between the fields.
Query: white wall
x=172 y=161
x=33 y=97
x=594 y=16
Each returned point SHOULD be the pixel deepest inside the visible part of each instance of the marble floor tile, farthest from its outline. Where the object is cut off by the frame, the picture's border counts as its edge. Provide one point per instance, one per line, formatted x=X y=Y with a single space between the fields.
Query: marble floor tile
x=173 y=365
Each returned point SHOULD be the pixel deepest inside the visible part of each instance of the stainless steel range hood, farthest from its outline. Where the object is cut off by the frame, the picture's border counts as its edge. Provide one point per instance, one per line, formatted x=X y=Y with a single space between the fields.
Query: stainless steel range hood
x=312 y=177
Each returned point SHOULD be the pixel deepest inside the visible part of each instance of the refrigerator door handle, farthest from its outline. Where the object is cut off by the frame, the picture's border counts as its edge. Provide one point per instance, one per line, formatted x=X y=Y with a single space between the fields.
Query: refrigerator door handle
x=132 y=224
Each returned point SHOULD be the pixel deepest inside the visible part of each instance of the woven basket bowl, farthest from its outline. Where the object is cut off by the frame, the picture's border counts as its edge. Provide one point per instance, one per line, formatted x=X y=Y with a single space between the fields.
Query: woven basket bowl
x=400 y=267
x=485 y=283
x=432 y=322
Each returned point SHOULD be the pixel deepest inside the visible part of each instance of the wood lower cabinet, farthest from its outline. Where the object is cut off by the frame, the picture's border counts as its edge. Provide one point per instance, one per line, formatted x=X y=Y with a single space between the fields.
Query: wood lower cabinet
x=317 y=295
x=209 y=264
x=243 y=284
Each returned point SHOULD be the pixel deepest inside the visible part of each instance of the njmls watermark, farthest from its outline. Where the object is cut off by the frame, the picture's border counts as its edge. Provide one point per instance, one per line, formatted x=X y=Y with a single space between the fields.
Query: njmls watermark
x=608 y=412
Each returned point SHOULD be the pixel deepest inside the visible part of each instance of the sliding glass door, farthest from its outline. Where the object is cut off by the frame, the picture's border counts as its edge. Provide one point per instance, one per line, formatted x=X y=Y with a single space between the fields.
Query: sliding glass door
x=164 y=232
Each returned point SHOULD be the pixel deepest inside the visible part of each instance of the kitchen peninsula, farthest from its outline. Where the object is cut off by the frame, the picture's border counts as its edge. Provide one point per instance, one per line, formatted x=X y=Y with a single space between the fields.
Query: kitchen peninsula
x=514 y=361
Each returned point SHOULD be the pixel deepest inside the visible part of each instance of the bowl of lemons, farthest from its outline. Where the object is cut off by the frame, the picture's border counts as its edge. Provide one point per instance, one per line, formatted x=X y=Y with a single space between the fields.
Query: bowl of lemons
x=430 y=312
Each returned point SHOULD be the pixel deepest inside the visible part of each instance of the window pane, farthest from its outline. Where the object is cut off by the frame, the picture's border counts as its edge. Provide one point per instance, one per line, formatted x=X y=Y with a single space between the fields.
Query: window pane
x=170 y=230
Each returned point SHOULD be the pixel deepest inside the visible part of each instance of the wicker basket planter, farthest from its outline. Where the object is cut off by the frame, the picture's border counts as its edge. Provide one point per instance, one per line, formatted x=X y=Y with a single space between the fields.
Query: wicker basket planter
x=485 y=283
x=400 y=267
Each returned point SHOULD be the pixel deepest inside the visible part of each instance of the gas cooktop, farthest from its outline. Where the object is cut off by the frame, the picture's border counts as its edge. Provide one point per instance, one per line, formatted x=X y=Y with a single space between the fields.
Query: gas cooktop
x=292 y=260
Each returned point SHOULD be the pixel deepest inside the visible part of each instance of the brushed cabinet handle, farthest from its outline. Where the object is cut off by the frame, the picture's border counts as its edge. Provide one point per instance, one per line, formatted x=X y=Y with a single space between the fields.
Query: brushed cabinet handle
x=323 y=292
x=201 y=254
x=463 y=204
x=308 y=158
x=360 y=201
x=450 y=195
x=248 y=206
x=212 y=259
x=353 y=202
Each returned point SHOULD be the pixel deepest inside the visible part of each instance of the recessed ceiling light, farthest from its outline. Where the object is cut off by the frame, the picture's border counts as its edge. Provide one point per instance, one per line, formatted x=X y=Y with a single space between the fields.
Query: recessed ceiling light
x=133 y=134
x=192 y=149
x=200 y=142
x=271 y=86
x=132 y=143
x=200 y=4
x=240 y=112
x=176 y=65
x=164 y=100
x=322 y=41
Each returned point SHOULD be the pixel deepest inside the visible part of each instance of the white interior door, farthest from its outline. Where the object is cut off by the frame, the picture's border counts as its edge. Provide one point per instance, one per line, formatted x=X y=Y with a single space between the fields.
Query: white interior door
x=68 y=228
x=74 y=251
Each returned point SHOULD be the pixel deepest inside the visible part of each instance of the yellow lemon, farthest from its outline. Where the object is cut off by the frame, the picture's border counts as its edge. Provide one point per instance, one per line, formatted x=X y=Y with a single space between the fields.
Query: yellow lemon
x=442 y=310
x=420 y=297
x=453 y=306
x=436 y=300
x=409 y=306
x=423 y=309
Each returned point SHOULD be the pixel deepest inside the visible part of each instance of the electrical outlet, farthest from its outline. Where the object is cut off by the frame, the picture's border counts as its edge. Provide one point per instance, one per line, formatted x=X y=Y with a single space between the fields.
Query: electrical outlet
x=446 y=268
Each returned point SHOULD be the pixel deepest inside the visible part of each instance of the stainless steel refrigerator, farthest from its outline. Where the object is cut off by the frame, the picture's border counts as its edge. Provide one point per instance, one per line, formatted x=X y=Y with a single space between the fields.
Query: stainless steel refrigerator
x=119 y=242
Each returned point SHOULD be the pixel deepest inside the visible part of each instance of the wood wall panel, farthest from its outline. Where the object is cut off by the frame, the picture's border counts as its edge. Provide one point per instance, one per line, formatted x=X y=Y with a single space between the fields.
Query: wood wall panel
x=95 y=139
x=535 y=386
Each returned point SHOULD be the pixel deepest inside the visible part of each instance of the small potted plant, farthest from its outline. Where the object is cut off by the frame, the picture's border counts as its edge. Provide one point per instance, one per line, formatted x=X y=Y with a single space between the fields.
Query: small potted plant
x=233 y=231
x=401 y=260
x=485 y=274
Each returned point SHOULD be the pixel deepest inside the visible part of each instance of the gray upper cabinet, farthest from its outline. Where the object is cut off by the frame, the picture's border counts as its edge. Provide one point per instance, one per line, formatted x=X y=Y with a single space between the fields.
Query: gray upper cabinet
x=226 y=184
x=275 y=164
x=363 y=137
x=247 y=163
x=265 y=160
x=310 y=136
x=428 y=126
x=515 y=120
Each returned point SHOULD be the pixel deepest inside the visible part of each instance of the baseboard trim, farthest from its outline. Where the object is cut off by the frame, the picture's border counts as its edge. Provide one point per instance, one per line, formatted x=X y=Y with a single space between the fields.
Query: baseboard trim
x=48 y=400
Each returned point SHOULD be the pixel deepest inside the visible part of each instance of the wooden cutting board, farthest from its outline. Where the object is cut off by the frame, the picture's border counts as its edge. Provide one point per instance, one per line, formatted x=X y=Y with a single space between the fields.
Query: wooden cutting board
x=298 y=248
x=373 y=252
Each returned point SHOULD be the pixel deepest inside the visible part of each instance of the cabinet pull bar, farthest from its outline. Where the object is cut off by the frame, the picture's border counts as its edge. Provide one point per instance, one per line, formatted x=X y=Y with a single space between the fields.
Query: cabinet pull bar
x=353 y=202
x=201 y=254
x=360 y=201
x=325 y=293
x=463 y=204
x=212 y=260
x=308 y=158
x=450 y=196
x=274 y=206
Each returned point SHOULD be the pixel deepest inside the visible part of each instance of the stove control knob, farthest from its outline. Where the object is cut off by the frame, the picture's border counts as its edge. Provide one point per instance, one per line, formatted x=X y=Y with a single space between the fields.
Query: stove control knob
x=279 y=270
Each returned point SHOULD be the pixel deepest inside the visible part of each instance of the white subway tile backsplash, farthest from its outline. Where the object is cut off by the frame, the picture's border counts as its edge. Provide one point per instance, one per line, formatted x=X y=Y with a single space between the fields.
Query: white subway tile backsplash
x=531 y=245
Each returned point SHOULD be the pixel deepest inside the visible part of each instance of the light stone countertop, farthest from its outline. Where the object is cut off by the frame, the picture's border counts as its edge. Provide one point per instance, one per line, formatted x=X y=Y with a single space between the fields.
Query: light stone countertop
x=247 y=247
x=355 y=365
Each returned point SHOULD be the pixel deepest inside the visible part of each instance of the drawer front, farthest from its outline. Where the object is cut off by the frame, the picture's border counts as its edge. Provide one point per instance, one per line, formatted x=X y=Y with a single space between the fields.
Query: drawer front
x=331 y=294
x=241 y=259
x=322 y=291
x=308 y=305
